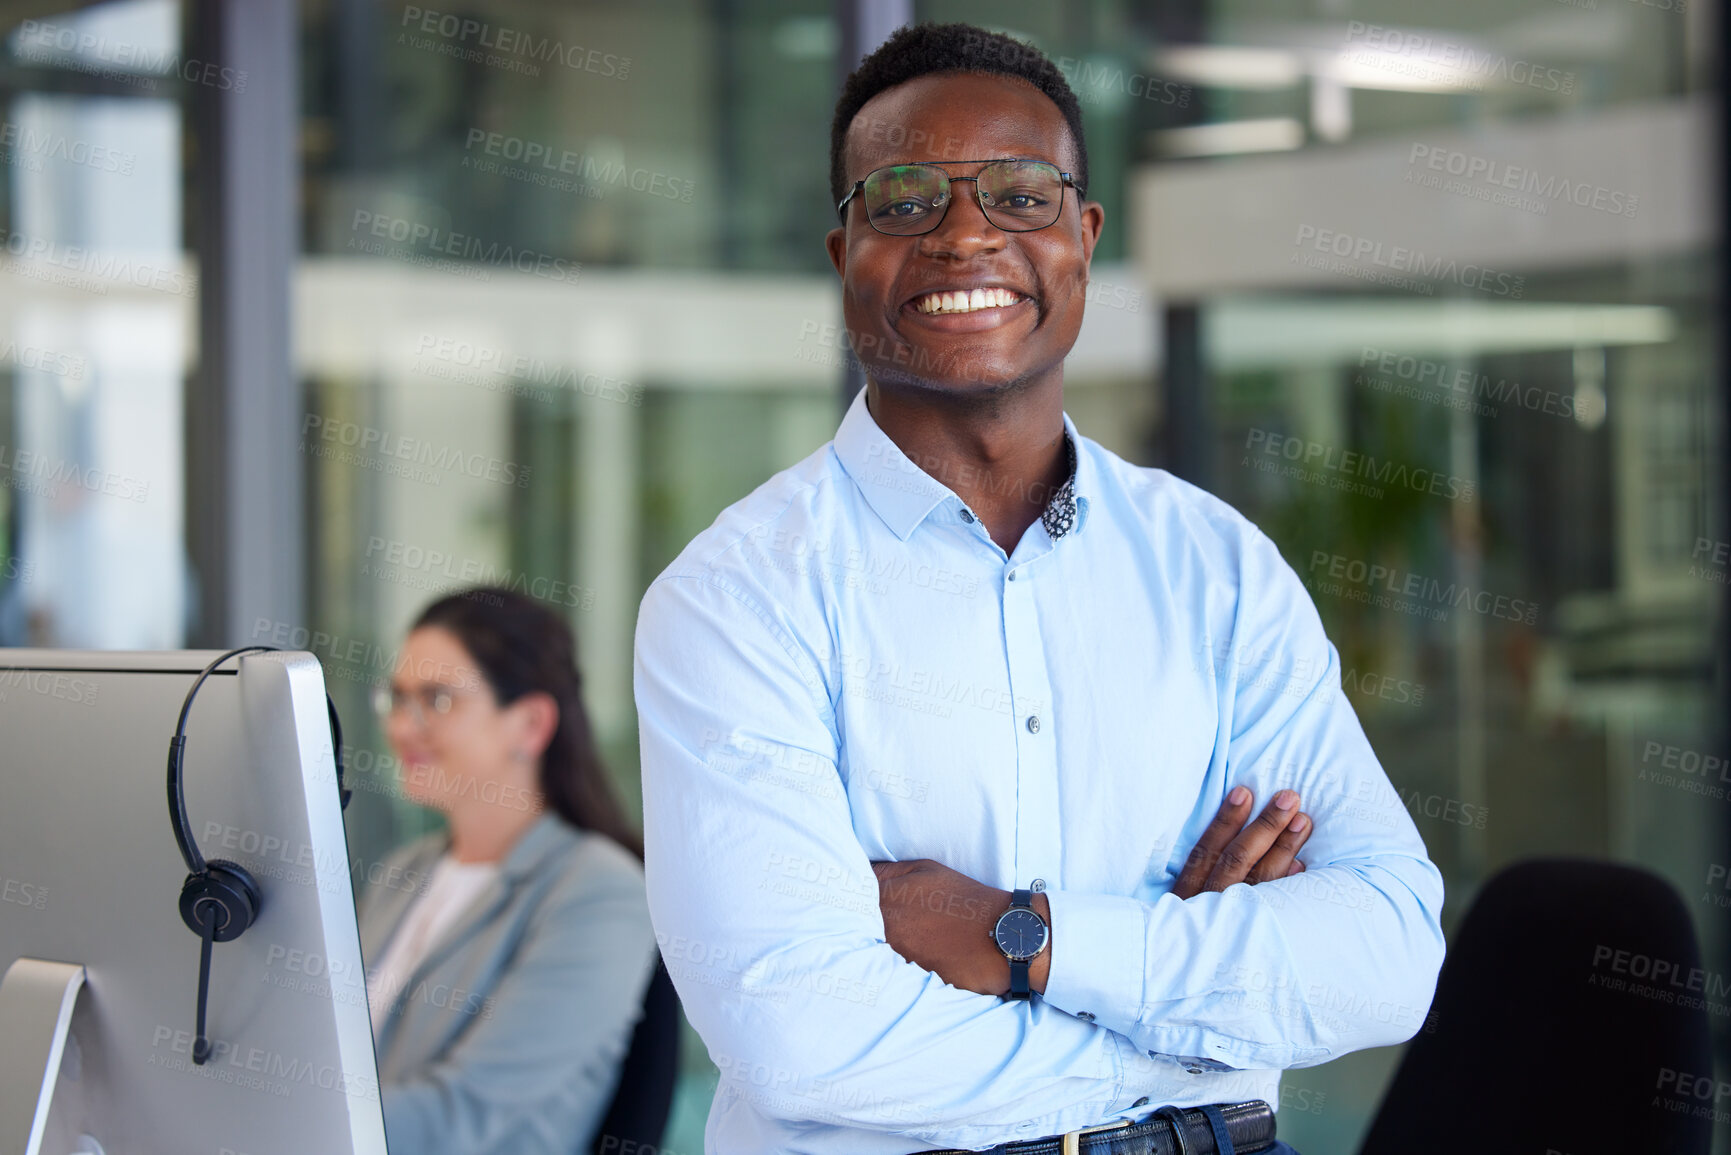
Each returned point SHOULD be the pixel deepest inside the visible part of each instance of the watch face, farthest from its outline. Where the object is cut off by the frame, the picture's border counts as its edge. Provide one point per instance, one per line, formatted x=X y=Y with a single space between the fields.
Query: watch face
x=1020 y=934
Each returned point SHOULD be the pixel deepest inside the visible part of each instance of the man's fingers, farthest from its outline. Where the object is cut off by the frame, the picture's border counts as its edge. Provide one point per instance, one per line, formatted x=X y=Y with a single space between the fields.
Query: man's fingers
x=1281 y=856
x=1253 y=842
x=1228 y=820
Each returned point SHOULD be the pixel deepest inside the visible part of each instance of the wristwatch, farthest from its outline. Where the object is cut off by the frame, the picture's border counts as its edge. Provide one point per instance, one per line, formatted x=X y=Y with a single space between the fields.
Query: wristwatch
x=1021 y=934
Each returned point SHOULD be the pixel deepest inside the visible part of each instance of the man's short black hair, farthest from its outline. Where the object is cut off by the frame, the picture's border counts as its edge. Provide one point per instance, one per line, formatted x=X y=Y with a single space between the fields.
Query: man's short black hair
x=922 y=49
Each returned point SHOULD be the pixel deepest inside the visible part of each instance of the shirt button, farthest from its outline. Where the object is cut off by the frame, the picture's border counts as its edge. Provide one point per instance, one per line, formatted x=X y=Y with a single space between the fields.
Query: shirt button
x=1152 y=1055
x=1194 y=1070
x=1033 y=723
x=1085 y=1016
x=1142 y=1102
x=1012 y=575
x=967 y=517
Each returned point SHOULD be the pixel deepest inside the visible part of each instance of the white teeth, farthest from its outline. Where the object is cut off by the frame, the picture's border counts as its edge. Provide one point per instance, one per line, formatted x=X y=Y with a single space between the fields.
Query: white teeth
x=963 y=301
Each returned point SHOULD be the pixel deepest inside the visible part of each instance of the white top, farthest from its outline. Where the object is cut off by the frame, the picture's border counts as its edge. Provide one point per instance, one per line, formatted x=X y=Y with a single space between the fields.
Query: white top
x=451 y=887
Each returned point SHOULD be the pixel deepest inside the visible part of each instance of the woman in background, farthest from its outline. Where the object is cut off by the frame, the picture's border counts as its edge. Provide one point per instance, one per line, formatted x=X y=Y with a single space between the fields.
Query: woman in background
x=506 y=956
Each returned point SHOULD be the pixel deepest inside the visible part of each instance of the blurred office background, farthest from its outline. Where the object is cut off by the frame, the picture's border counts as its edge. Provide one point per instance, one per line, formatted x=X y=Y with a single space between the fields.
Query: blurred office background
x=401 y=298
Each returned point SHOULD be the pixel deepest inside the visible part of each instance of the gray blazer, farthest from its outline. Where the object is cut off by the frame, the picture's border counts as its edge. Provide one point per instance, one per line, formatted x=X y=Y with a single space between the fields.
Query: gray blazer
x=507 y=1039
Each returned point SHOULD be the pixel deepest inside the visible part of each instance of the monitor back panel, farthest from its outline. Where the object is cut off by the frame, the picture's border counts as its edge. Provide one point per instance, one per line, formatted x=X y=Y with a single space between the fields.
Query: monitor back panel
x=90 y=874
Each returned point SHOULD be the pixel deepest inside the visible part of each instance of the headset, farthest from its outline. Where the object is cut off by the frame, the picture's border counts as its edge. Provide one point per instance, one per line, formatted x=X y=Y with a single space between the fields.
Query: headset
x=219 y=898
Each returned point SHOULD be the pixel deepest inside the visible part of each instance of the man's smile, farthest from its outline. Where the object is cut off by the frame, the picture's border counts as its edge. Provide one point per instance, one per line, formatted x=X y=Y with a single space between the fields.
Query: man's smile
x=966 y=310
x=965 y=300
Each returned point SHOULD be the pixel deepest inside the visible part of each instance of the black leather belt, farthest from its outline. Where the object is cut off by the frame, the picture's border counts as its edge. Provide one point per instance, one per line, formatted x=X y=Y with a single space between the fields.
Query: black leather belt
x=1173 y=1131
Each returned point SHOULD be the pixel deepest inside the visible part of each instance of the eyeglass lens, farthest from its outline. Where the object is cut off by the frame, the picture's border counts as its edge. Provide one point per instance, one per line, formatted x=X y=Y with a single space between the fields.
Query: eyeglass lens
x=1017 y=195
x=432 y=699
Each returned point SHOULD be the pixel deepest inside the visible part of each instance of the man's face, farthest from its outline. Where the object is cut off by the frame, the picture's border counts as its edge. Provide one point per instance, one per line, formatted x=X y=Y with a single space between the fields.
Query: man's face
x=944 y=119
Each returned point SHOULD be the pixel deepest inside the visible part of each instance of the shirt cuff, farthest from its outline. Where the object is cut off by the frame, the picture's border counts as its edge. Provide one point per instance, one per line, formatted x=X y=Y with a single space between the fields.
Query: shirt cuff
x=1099 y=958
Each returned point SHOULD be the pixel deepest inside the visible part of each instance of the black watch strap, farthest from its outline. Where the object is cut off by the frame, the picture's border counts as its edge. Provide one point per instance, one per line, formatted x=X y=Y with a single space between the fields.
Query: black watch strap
x=1019 y=988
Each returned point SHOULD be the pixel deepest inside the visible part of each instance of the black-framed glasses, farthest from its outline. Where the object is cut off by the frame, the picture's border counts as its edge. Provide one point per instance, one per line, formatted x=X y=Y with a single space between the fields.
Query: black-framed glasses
x=1017 y=196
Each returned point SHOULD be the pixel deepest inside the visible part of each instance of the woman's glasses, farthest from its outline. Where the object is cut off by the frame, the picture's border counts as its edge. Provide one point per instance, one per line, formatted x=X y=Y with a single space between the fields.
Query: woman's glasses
x=1017 y=196
x=429 y=700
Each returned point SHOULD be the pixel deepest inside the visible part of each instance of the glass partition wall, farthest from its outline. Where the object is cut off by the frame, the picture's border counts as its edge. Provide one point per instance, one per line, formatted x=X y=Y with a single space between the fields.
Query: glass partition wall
x=1427 y=291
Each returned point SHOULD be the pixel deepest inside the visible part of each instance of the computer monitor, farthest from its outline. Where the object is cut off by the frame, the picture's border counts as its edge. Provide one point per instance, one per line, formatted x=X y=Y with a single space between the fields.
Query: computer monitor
x=91 y=875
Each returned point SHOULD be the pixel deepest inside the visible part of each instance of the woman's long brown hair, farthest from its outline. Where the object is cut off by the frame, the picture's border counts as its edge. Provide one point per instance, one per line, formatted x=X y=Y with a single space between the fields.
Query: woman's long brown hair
x=522 y=646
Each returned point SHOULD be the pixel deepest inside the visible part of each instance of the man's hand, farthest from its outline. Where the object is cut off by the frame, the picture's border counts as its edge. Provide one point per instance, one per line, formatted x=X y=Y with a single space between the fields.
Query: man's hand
x=942 y=920
x=1234 y=850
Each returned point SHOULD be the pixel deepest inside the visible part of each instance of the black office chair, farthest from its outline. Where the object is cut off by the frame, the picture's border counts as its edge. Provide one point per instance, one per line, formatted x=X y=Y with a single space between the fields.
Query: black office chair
x=1528 y=1050
x=638 y=1113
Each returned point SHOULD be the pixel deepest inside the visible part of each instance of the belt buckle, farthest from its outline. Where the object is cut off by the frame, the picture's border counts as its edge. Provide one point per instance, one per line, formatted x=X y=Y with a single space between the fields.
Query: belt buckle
x=1071 y=1144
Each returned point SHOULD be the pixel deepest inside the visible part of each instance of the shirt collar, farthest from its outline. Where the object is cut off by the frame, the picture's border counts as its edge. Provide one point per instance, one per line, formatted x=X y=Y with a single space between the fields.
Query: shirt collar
x=904 y=495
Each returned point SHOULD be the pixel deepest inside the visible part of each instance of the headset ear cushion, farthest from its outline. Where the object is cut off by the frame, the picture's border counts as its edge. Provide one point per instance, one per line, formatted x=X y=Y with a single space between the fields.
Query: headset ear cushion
x=230 y=889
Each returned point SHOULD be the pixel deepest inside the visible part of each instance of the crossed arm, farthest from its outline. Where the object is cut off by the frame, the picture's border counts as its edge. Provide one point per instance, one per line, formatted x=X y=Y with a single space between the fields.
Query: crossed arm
x=940 y=919
x=796 y=971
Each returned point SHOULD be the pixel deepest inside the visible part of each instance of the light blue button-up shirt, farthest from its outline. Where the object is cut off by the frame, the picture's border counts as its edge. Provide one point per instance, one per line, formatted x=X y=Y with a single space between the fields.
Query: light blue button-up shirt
x=846 y=668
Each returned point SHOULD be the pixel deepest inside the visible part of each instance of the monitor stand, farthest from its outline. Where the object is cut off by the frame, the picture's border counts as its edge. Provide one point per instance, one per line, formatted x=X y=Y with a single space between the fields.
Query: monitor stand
x=36 y=1001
